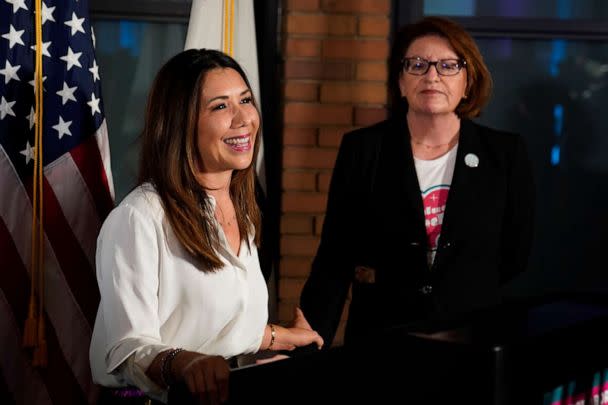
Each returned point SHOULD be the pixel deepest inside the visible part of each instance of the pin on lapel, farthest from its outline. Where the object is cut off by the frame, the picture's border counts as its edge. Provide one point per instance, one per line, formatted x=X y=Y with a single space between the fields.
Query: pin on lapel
x=471 y=160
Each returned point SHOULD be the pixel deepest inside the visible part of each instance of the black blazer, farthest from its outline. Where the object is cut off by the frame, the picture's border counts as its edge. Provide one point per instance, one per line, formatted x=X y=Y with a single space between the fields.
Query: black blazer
x=375 y=220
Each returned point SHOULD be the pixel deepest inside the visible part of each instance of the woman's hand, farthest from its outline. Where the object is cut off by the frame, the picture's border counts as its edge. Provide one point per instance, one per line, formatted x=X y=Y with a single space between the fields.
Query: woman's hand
x=205 y=376
x=299 y=321
x=299 y=333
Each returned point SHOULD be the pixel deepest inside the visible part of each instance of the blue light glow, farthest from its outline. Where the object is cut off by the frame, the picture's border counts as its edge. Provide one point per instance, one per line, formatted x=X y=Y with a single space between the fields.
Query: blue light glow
x=555 y=151
x=558 y=119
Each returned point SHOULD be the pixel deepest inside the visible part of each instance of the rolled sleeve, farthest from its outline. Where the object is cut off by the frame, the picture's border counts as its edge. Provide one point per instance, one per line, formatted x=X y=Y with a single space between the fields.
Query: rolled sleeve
x=134 y=371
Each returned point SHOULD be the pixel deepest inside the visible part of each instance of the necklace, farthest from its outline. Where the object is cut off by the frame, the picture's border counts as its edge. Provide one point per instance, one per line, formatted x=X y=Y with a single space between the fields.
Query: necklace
x=450 y=143
x=223 y=221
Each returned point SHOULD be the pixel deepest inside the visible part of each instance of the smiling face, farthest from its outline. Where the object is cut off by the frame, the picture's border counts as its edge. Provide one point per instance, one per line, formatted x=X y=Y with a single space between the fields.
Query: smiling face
x=432 y=93
x=228 y=122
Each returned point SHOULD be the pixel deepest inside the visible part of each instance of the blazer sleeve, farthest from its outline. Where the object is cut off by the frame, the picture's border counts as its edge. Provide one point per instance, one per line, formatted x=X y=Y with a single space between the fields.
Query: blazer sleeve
x=518 y=226
x=326 y=289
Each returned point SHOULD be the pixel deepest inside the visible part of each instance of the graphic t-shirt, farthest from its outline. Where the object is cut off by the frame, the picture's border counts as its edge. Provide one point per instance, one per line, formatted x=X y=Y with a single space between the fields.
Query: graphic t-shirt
x=435 y=178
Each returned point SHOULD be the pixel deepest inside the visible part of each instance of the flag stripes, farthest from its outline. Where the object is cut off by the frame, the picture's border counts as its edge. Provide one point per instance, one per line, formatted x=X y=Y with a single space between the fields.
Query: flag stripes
x=71 y=259
x=92 y=168
x=16 y=369
x=71 y=308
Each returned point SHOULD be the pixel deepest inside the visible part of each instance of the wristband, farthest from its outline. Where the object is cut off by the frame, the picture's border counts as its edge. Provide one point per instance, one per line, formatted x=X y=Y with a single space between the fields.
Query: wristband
x=165 y=366
x=273 y=335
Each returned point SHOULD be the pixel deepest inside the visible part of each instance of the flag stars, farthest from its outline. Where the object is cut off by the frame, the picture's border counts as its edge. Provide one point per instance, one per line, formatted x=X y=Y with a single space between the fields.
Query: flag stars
x=10 y=72
x=72 y=58
x=17 y=4
x=62 y=128
x=13 y=36
x=95 y=71
x=67 y=93
x=29 y=153
x=31 y=117
x=47 y=13
x=94 y=104
x=75 y=24
x=45 y=48
x=6 y=108
x=33 y=83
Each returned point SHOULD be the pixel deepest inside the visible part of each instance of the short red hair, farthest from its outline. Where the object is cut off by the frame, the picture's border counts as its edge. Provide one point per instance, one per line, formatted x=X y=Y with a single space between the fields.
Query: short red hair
x=479 y=79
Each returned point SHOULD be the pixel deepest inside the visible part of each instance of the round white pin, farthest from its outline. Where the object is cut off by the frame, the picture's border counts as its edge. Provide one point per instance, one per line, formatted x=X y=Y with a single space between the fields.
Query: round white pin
x=471 y=160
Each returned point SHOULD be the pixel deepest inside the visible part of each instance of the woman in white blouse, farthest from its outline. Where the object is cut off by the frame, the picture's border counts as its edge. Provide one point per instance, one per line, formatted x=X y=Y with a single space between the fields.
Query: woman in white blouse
x=177 y=264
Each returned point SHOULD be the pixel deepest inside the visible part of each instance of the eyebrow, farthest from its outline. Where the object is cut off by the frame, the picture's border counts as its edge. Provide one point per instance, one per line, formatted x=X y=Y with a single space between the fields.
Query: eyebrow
x=226 y=97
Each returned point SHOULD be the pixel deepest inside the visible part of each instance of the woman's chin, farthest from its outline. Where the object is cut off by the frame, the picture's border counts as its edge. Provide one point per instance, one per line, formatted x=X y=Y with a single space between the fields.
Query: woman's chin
x=433 y=109
x=241 y=164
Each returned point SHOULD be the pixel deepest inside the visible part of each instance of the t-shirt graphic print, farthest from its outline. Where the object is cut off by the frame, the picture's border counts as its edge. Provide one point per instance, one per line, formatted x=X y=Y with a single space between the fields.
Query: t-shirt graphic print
x=434 y=200
x=435 y=178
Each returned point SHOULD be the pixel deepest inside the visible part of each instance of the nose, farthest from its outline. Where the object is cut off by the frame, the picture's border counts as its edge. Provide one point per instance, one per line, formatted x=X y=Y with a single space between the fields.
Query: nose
x=432 y=73
x=242 y=117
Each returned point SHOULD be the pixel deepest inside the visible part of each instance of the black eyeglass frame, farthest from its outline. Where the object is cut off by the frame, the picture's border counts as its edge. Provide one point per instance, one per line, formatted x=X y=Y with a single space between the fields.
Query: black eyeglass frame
x=462 y=64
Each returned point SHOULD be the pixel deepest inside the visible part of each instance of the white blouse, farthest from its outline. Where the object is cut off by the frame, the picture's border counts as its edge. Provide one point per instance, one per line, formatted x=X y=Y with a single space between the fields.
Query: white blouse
x=154 y=297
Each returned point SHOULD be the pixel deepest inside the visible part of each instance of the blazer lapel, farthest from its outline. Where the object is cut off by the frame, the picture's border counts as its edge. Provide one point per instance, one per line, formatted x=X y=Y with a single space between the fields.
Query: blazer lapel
x=461 y=190
x=399 y=184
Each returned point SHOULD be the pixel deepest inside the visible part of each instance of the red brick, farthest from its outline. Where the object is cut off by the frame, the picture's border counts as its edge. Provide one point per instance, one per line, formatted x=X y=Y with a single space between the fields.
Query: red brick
x=300 y=136
x=293 y=245
x=302 y=181
x=299 y=202
x=374 y=26
x=341 y=25
x=303 y=47
x=319 y=224
x=357 y=6
x=294 y=266
x=309 y=113
x=303 y=5
x=337 y=92
x=368 y=116
x=299 y=91
x=306 y=24
x=297 y=224
x=332 y=136
x=377 y=71
x=319 y=24
x=359 y=93
x=286 y=308
x=339 y=337
x=290 y=289
x=323 y=181
x=309 y=158
x=302 y=69
x=333 y=48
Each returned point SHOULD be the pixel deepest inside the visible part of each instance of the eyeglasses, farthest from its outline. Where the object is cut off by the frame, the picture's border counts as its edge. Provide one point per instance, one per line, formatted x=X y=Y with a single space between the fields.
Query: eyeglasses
x=445 y=67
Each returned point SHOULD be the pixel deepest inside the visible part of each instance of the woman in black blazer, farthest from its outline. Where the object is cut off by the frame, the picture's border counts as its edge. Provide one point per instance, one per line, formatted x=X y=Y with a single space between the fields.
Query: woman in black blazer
x=429 y=214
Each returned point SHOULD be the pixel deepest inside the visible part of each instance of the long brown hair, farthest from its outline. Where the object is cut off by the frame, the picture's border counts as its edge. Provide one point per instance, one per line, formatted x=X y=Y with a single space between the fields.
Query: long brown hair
x=479 y=79
x=169 y=154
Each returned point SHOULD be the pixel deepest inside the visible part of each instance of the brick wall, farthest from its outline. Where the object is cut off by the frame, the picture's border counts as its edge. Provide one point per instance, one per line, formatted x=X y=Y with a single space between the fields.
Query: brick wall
x=335 y=70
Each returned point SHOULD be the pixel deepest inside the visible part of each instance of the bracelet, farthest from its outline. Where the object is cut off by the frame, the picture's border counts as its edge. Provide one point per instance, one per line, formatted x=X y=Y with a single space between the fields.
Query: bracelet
x=273 y=335
x=165 y=366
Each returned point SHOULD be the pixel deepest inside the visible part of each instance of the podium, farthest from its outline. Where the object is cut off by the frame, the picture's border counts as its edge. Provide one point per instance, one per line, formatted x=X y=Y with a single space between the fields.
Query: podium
x=511 y=354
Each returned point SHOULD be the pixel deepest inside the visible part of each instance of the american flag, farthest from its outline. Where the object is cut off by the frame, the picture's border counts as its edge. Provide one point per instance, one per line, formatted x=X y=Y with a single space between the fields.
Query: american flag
x=78 y=194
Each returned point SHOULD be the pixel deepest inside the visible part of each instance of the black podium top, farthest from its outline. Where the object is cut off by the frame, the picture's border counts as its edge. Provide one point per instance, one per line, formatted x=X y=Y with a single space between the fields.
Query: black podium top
x=506 y=355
